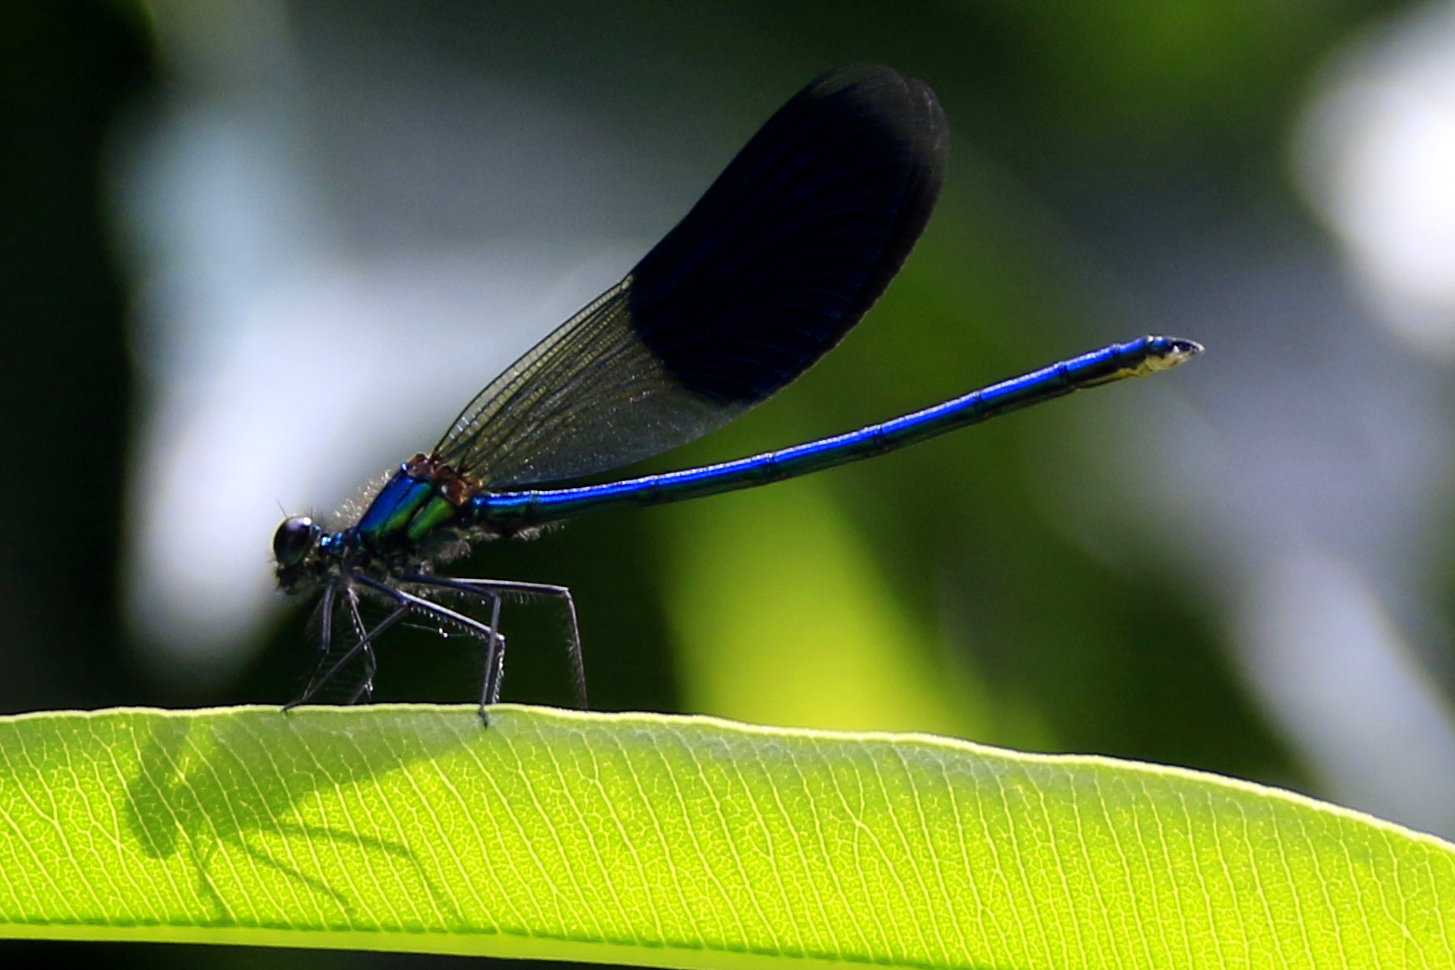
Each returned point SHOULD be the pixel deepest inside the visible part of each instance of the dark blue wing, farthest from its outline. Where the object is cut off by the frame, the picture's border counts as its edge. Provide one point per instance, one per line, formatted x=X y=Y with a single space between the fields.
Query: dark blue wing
x=787 y=250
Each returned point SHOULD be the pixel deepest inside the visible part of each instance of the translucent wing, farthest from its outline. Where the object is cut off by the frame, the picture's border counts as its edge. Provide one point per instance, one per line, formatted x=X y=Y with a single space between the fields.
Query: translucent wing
x=787 y=250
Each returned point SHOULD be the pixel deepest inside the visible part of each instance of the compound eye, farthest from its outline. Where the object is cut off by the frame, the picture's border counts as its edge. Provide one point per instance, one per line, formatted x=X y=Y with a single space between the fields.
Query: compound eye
x=293 y=540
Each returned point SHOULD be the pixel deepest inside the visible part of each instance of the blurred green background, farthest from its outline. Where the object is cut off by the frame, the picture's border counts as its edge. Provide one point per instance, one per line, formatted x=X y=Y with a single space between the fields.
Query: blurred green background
x=1014 y=584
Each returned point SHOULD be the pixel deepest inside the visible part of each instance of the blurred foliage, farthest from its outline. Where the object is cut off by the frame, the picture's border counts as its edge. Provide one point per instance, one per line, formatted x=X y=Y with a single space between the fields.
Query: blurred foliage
x=1009 y=630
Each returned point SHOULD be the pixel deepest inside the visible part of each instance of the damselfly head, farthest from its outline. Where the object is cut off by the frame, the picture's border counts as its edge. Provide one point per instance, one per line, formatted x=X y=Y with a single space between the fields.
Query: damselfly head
x=294 y=539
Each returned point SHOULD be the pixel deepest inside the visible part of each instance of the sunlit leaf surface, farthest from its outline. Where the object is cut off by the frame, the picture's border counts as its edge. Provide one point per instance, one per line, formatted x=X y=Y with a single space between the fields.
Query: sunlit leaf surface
x=684 y=842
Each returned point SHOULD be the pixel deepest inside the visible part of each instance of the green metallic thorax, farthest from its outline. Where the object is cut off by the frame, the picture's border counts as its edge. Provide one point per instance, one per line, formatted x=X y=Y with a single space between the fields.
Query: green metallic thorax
x=411 y=505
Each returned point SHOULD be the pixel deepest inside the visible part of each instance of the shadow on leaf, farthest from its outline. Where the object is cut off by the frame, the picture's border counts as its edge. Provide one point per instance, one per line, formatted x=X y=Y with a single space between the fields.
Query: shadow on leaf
x=246 y=801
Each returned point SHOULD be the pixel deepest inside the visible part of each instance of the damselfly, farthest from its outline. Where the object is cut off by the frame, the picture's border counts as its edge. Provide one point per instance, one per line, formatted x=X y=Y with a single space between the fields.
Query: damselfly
x=784 y=254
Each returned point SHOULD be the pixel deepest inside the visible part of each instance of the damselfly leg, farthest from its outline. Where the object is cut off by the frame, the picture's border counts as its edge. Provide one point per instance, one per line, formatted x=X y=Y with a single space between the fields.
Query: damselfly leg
x=325 y=671
x=491 y=589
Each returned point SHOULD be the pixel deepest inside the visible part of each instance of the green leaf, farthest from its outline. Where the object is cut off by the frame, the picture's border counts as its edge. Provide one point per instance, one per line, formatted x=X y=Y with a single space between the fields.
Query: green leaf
x=684 y=842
